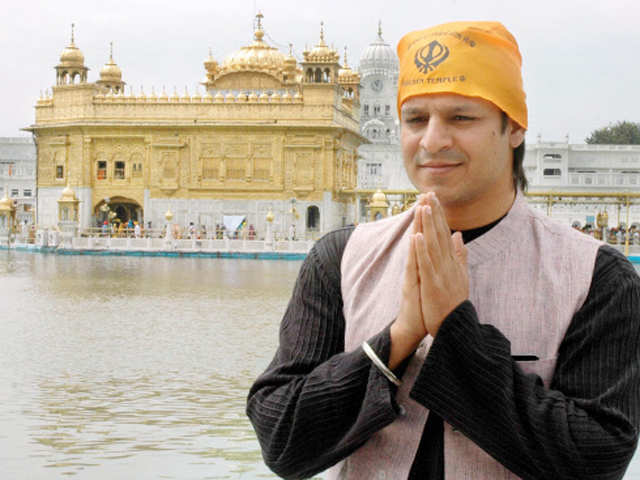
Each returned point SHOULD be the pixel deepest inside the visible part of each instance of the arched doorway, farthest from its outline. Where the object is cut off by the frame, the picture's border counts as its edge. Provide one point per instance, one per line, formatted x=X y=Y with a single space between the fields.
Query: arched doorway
x=313 y=218
x=119 y=210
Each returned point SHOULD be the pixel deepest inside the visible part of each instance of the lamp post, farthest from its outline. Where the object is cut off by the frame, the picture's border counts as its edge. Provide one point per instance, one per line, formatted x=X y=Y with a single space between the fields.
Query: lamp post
x=602 y=220
x=294 y=217
x=104 y=219
x=168 y=237
x=268 y=238
x=627 y=233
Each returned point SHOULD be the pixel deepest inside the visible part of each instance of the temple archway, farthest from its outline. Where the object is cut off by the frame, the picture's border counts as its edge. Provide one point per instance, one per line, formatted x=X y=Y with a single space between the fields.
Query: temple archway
x=119 y=208
x=313 y=218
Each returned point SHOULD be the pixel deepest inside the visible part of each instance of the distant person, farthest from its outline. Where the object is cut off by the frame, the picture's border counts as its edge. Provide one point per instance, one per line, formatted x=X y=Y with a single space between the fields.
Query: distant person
x=508 y=349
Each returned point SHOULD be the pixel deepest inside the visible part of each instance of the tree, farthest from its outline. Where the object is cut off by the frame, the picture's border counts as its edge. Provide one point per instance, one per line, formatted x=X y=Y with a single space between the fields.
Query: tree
x=622 y=133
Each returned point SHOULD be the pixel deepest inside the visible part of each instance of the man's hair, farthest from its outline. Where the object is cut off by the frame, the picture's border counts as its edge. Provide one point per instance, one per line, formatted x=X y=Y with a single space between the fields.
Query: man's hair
x=519 y=178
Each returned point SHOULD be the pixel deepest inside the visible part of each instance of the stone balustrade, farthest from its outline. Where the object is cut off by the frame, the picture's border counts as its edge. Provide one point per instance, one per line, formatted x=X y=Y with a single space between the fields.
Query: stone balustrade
x=53 y=241
x=252 y=97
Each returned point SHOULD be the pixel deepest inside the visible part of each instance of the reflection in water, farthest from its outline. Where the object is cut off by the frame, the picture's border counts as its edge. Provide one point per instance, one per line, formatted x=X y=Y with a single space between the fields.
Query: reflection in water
x=85 y=422
x=125 y=367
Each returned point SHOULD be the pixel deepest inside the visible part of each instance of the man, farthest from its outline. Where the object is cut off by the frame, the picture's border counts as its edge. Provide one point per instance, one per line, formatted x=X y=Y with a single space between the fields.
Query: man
x=508 y=349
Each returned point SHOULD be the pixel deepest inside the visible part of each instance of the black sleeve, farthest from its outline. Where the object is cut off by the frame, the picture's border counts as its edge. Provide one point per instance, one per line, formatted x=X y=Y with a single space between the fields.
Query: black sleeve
x=585 y=425
x=315 y=404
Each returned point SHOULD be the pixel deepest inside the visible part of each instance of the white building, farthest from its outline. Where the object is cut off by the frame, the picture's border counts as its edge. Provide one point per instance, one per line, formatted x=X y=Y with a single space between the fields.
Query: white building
x=581 y=168
x=18 y=175
x=380 y=162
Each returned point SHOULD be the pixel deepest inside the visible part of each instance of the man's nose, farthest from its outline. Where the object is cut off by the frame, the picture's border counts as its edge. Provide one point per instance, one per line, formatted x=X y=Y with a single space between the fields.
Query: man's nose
x=436 y=136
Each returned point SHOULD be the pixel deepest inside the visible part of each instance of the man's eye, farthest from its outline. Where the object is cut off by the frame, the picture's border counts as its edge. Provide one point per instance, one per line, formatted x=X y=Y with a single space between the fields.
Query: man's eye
x=416 y=119
x=463 y=118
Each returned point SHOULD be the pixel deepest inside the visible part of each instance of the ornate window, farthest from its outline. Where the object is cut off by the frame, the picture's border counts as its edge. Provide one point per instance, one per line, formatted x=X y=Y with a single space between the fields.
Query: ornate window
x=374 y=169
x=118 y=171
x=101 y=171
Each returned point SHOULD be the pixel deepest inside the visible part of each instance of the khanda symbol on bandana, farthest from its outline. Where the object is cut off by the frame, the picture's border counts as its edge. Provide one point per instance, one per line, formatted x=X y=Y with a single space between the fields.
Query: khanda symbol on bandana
x=430 y=56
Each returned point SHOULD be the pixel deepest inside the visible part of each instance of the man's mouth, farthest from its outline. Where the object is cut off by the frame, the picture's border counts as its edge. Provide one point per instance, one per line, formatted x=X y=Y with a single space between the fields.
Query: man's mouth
x=438 y=168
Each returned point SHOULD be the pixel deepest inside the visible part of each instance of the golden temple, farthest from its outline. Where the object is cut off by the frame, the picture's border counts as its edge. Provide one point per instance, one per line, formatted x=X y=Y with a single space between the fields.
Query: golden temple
x=269 y=133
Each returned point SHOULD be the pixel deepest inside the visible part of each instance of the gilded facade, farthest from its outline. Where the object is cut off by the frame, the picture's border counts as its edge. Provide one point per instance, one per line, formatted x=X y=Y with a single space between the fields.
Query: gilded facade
x=269 y=133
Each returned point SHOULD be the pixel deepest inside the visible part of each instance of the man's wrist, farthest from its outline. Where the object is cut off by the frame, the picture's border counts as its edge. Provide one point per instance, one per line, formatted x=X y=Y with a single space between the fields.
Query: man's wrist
x=403 y=343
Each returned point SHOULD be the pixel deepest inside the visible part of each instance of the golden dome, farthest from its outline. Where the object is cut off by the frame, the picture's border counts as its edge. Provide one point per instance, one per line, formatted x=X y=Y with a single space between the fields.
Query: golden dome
x=111 y=72
x=68 y=196
x=379 y=200
x=72 y=56
x=255 y=57
x=321 y=53
x=6 y=204
x=345 y=74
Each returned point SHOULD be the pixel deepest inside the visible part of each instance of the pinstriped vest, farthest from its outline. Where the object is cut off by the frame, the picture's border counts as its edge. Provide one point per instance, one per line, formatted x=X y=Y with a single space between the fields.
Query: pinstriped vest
x=528 y=276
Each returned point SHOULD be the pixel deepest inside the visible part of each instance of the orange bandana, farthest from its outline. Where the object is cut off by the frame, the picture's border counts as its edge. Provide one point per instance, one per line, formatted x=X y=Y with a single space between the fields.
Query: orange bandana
x=475 y=59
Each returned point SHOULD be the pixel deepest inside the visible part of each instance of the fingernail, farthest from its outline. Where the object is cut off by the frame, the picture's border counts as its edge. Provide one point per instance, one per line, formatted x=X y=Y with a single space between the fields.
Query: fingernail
x=427 y=209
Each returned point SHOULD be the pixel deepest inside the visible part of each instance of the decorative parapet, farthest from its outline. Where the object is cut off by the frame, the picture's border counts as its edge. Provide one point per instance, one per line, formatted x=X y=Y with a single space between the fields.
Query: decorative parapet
x=221 y=96
x=265 y=106
x=45 y=100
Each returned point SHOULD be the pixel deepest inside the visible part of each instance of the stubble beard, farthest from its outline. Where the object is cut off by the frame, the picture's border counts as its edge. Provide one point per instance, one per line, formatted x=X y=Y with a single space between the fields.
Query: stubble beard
x=445 y=189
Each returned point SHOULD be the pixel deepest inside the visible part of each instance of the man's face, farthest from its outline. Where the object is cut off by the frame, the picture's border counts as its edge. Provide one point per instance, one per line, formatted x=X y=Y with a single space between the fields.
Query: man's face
x=455 y=146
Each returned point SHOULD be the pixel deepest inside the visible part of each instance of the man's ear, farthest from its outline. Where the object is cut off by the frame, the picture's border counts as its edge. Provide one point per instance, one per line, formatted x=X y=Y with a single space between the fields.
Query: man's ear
x=516 y=134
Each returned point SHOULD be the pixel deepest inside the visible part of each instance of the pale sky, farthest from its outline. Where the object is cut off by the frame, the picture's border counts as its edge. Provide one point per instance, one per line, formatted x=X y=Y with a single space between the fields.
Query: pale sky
x=581 y=59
